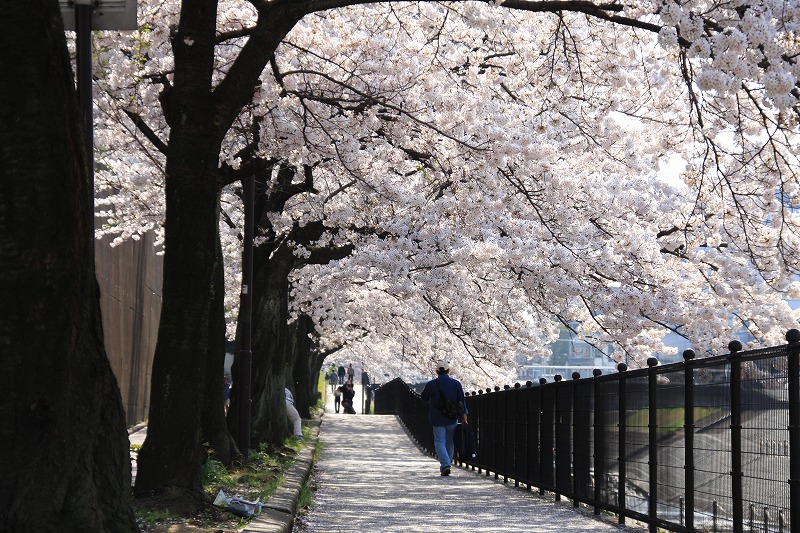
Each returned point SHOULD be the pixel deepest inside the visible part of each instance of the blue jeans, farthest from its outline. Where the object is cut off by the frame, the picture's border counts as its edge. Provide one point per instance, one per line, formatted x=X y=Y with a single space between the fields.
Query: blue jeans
x=444 y=445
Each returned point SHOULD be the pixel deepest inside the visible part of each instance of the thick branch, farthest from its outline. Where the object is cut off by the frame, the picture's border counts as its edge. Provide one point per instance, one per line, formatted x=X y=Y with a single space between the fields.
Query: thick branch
x=151 y=136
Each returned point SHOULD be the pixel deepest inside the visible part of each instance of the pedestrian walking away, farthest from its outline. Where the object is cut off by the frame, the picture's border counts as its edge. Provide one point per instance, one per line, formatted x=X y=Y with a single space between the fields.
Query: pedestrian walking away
x=294 y=416
x=333 y=379
x=351 y=373
x=337 y=399
x=445 y=398
x=341 y=374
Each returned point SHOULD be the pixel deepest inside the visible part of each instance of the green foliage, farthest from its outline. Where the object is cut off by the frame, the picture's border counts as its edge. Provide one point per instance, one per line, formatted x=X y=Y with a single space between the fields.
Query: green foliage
x=215 y=473
x=305 y=500
x=317 y=451
x=149 y=519
x=321 y=383
x=157 y=515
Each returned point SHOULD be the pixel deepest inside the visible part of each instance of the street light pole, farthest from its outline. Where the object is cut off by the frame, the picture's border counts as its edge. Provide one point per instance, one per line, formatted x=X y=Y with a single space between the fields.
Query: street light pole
x=84 y=16
x=245 y=319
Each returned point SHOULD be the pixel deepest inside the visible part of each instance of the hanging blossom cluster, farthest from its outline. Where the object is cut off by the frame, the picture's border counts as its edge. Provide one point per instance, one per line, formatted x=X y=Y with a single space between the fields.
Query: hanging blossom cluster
x=739 y=43
x=497 y=173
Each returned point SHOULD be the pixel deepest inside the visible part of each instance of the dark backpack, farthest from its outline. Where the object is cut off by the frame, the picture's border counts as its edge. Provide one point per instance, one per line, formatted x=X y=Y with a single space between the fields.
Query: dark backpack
x=448 y=408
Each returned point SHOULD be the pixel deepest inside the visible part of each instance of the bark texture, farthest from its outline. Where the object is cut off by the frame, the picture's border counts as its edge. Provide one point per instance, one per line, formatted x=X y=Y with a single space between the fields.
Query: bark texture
x=307 y=363
x=270 y=355
x=199 y=114
x=172 y=456
x=64 y=453
x=215 y=431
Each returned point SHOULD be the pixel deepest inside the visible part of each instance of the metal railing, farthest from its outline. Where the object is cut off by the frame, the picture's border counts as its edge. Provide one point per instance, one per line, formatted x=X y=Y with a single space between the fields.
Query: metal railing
x=708 y=444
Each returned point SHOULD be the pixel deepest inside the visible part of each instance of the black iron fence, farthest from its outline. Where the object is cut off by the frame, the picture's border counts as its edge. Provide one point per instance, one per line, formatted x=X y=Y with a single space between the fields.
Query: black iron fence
x=708 y=444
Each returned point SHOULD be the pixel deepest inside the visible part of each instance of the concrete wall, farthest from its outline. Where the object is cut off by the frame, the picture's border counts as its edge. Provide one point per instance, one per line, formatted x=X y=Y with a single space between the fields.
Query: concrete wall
x=130 y=277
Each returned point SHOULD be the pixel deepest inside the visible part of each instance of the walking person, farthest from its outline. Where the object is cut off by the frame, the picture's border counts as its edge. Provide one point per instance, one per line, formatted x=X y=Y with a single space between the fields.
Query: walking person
x=333 y=379
x=438 y=393
x=337 y=398
x=341 y=374
x=351 y=373
x=294 y=416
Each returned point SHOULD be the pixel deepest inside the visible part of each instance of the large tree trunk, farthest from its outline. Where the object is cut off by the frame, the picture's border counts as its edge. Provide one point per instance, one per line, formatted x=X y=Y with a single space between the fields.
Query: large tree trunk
x=171 y=458
x=63 y=446
x=270 y=329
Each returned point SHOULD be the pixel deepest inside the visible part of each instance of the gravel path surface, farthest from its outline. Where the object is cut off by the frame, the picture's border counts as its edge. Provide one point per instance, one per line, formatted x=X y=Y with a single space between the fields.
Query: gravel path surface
x=372 y=478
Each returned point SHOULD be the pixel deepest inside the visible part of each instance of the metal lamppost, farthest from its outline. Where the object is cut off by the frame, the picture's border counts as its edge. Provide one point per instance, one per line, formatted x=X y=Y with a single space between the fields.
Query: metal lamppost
x=83 y=16
x=245 y=320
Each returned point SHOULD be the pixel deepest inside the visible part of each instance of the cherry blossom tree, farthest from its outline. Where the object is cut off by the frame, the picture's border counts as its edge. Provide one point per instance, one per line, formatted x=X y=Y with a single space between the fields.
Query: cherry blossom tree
x=494 y=168
x=64 y=451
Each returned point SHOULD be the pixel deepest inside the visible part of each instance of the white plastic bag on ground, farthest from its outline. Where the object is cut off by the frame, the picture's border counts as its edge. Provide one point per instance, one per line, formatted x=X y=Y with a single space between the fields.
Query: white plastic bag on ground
x=237 y=506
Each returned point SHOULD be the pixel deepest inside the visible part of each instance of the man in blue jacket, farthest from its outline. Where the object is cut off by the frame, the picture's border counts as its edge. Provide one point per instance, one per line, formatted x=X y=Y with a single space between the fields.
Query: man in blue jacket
x=444 y=426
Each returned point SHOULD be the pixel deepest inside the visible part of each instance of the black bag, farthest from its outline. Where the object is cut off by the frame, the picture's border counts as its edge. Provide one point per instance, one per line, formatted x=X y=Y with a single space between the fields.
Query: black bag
x=448 y=408
x=464 y=442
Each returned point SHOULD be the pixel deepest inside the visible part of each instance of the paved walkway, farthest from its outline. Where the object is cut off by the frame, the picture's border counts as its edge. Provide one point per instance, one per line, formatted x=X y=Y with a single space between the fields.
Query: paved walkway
x=372 y=478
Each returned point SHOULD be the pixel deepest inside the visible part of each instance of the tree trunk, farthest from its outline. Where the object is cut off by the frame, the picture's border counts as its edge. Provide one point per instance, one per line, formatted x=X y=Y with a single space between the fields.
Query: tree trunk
x=172 y=456
x=307 y=363
x=64 y=452
x=270 y=329
x=273 y=361
x=215 y=431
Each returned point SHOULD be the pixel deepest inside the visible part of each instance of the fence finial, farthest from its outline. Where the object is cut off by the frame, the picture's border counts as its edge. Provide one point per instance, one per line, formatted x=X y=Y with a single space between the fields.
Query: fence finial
x=622 y=367
x=597 y=372
x=652 y=361
x=793 y=336
x=734 y=346
x=576 y=375
x=688 y=355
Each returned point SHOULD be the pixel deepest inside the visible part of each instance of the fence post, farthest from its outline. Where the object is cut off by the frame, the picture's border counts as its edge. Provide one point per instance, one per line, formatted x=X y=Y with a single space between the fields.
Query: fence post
x=578 y=439
x=491 y=434
x=793 y=375
x=508 y=438
x=688 y=430
x=546 y=459
x=557 y=443
x=599 y=441
x=539 y=398
x=622 y=410
x=652 y=431
x=479 y=430
x=528 y=433
x=499 y=445
x=520 y=427
x=737 y=493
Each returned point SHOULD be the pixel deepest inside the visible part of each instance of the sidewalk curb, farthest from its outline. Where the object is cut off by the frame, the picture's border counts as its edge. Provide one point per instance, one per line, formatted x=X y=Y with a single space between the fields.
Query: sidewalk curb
x=279 y=511
x=137 y=427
